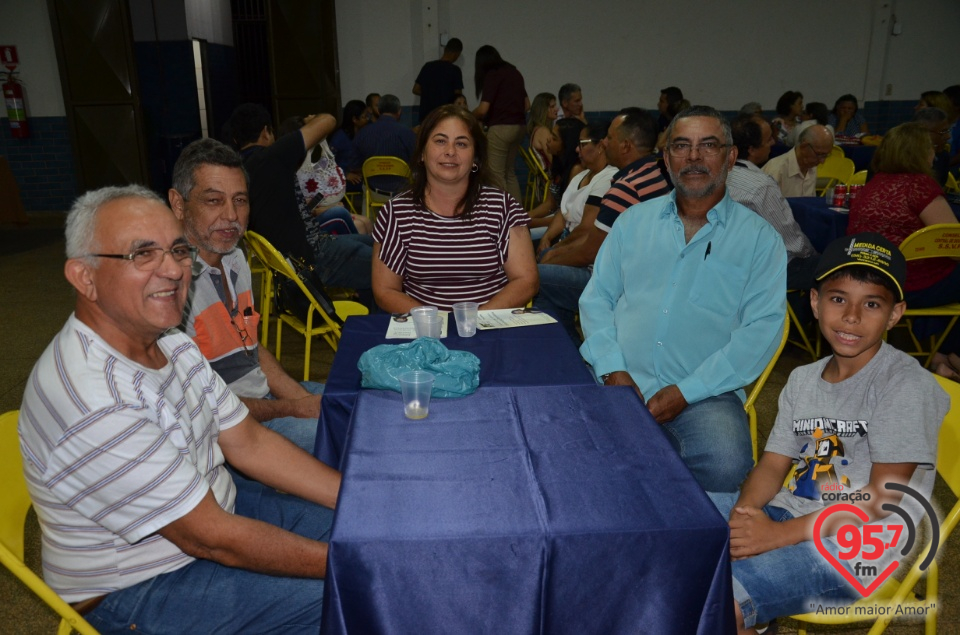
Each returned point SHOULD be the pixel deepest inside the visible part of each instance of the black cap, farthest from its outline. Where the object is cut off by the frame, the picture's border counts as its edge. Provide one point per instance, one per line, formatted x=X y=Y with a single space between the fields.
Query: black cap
x=867 y=249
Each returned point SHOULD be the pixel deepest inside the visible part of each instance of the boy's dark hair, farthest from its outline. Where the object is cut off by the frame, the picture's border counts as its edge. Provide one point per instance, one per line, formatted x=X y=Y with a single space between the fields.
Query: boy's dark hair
x=862 y=273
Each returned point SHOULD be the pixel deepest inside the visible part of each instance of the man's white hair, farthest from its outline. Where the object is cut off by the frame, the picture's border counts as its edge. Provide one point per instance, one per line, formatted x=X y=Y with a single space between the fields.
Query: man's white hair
x=82 y=218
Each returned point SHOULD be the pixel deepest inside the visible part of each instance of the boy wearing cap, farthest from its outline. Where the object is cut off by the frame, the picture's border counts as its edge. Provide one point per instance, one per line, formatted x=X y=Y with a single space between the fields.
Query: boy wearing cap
x=865 y=416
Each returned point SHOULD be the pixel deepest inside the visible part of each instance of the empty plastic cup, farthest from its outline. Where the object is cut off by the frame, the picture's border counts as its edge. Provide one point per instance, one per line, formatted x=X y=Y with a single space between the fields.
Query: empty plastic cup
x=423 y=310
x=428 y=325
x=466 y=315
x=416 y=386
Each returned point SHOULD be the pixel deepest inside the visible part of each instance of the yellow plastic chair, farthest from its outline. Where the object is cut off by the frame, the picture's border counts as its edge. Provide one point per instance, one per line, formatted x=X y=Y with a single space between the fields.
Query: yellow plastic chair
x=538 y=182
x=266 y=292
x=350 y=202
x=934 y=241
x=837 y=151
x=14 y=505
x=951 y=186
x=893 y=593
x=750 y=404
x=380 y=166
x=325 y=326
x=834 y=170
x=858 y=178
x=811 y=347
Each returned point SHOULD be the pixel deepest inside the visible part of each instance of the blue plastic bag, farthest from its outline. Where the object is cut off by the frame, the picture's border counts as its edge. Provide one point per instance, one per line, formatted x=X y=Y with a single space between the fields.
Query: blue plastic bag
x=457 y=373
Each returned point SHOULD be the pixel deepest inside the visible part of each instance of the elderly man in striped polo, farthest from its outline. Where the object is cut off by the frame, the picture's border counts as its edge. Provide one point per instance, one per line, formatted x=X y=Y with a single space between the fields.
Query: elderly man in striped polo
x=125 y=430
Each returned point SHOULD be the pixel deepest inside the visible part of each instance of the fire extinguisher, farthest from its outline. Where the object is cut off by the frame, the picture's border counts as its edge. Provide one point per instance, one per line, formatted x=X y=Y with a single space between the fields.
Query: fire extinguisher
x=16 y=110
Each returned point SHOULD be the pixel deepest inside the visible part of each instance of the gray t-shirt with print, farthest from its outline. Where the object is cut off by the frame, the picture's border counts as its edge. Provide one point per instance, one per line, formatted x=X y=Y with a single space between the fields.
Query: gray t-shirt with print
x=888 y=412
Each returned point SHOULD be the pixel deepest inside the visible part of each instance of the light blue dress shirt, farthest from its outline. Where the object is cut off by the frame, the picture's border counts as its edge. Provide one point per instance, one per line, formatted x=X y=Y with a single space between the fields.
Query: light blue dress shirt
x=706 y=316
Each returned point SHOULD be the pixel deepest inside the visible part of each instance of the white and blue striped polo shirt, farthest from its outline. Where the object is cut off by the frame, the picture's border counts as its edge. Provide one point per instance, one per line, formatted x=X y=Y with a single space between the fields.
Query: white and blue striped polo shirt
x=114 y=451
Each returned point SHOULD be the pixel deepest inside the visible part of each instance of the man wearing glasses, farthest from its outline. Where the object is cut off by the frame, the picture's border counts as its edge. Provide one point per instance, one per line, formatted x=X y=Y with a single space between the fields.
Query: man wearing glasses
x=125 y=430
x=796 y=171
x=687 y=302
x=209 y=195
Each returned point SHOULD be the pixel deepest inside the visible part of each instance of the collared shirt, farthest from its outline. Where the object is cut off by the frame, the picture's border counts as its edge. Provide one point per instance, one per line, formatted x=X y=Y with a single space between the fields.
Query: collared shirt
x=785 y=170
x=226 y=332
x=640 y=181
x=114 y=451
x=749 y=186
x=705 y=315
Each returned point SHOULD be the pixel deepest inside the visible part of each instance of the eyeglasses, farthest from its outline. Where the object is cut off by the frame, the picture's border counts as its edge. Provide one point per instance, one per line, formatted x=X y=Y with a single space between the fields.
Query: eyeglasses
x=681 y=149
x=584 y=142
x=820 y=155
x=150 y=258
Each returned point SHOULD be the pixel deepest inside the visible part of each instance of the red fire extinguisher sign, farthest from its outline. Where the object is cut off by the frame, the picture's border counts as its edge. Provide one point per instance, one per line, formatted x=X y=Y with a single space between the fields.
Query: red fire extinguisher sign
x=8 y=57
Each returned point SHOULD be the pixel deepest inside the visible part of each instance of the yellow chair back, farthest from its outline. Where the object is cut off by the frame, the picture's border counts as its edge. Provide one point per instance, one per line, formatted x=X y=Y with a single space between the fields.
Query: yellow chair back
x=858 y=178
x=933 y=241
x=951 y=187
x=835 y=170
x=326 y=326
x=750 y=404
x=380 y=166
x=14 y=505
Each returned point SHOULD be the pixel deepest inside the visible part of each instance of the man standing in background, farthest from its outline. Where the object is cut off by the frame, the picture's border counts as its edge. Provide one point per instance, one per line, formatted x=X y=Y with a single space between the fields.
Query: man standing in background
x=440 y=81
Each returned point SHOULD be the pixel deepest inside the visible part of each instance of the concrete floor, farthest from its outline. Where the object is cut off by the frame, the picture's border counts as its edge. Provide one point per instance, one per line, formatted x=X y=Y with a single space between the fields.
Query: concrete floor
x=35 y=300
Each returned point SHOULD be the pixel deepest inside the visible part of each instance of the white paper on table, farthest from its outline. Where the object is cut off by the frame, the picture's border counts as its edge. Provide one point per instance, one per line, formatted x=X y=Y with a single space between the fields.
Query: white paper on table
x=406 y=330
x=510 y=318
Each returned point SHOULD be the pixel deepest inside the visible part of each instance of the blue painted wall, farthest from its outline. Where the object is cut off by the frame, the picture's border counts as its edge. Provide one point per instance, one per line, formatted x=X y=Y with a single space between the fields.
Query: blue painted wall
x=42 y=165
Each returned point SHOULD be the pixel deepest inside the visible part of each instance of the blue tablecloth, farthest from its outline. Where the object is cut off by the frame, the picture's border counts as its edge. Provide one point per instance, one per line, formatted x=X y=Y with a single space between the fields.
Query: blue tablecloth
x=820 y=223
x=861 y=155
x=526 y=356
x=823 y=225
x=522 y=510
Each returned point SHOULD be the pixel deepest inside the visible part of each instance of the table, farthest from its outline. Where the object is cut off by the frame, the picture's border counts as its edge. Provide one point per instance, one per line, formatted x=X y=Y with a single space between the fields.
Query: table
x=861 y=155
x=522 y=510
x=527 y=356
x=823 y=225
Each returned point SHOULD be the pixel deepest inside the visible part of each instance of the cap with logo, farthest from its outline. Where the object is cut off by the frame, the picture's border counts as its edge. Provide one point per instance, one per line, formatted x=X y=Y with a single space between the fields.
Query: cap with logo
x=866 y=249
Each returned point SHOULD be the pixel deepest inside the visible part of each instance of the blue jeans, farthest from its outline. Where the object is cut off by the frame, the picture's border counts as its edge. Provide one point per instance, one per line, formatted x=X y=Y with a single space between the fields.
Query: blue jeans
x=206 y=597
x=303 y=432
x=337 y=221
x=346 y=261
x=713 y=439
x=785 y=581
x=560 y=290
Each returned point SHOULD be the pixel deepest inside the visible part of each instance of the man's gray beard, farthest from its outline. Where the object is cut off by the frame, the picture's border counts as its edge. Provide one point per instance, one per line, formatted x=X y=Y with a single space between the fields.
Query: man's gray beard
x=703 y=192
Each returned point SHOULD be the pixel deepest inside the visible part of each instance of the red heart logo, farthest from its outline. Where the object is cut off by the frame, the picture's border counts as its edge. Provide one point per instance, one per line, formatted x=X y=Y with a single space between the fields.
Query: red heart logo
x=852 y=579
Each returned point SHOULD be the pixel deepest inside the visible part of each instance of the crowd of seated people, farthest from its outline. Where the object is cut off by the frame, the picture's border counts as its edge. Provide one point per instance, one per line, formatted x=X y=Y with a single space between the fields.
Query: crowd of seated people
x=665 y=246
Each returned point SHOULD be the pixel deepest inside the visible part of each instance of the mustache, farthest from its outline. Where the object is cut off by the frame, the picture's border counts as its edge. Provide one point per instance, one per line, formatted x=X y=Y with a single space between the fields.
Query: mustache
x=230 y=225
x=694 y=169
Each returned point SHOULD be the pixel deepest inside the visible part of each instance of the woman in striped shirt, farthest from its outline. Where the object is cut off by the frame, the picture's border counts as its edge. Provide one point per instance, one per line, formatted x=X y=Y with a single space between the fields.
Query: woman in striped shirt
x=451 y=238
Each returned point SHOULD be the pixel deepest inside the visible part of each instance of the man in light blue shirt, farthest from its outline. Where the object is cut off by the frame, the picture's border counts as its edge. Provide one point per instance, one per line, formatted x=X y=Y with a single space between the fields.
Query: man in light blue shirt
x=687 y=302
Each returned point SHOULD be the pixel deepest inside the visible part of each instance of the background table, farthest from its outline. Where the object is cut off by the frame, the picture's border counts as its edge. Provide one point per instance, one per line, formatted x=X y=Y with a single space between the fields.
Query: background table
x=823 y=225
x=525 y=356
x=522 y=510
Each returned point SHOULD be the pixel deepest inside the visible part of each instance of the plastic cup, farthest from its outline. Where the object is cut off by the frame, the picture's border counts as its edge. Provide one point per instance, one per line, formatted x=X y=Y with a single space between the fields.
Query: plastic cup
x=423 y=310
x=428 y=325
x=466 y=315
x=416 y=386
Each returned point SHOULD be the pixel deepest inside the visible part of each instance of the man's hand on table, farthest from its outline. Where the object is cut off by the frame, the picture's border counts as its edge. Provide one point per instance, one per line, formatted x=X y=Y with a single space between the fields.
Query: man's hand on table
x=667 y=404
x=622 y=378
